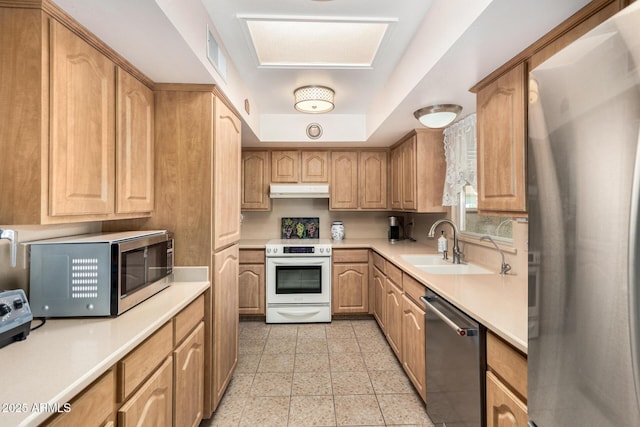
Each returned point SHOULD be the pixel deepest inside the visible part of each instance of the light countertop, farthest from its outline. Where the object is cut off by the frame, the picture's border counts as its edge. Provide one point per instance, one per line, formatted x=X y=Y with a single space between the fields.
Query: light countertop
x=498 y=302
x=59 y=360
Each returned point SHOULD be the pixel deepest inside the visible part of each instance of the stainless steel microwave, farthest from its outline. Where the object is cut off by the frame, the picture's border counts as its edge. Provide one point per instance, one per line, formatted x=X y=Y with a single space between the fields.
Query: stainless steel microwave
x=98 y=274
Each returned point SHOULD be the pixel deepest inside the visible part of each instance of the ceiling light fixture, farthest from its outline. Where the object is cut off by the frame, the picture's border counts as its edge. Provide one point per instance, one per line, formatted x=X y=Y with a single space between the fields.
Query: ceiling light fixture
x=314 y=99
x=438 y=116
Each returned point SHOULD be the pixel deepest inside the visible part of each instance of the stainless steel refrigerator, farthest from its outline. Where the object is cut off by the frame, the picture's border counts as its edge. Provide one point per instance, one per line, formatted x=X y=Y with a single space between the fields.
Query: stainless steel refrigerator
x=584 y=231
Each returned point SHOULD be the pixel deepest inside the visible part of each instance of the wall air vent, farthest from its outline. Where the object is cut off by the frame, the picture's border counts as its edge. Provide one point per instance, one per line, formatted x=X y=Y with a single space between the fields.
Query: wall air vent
x=216 y=56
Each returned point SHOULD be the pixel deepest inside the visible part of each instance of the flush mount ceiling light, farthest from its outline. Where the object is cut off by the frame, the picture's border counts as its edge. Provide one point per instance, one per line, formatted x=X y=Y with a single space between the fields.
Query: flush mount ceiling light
x=313 y=99
x=438 y=116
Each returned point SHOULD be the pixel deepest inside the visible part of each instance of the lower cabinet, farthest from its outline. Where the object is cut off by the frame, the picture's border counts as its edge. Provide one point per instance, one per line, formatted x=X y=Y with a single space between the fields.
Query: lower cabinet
x=393 y=307
x=413 y=338
x=506 y=384
x=378 y=289
x=350 y=281
x=251 y=282
x=159 y=383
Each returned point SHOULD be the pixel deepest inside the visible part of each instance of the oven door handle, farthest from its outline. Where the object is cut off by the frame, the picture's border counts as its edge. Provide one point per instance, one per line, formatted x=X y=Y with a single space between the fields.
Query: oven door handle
x=462 y=331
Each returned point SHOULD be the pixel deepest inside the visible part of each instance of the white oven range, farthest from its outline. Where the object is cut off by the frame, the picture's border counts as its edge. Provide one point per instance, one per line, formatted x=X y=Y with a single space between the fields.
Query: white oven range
x=298 y=280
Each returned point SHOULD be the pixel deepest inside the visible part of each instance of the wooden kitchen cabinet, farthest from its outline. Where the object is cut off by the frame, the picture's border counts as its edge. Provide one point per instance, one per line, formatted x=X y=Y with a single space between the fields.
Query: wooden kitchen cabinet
x=417 y=173
x=256 y=173
x=152 y=404
x=350 y=281
x=314 y=166
x=285 y=166
x=379 y=295
x=413 y=335
x=393 y=307
x=358 y=180
x=501 y=140
x=251 y=283
x=60 y=91
x=188 y=359
x=506 y=387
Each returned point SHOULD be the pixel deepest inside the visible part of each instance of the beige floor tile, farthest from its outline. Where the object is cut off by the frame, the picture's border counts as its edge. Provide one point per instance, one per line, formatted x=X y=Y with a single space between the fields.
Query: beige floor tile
x=346 y=362
x=403 y=409
x=276 y=363
x=271 y=384
x=382 y=361
x=280 y=345
x=373 y=344
x=228 y=413
x=358 y=410
x=248 y=363
x=240 y=384
x=253 y=330
x=283 y=331
x=307 y=411
x=387 y=382
x=340 y=329
x=311 y=345
x=351 y=383
x=311 y=330
x=312 y=362
x=251 y=346
x=266 y=411
x=366 y=328
x=343 y=345
x=311 y=384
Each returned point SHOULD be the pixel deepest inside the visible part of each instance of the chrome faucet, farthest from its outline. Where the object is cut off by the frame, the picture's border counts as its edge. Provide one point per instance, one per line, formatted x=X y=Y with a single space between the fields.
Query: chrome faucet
x=457 y=254
x=11 y=236
x=504 y=268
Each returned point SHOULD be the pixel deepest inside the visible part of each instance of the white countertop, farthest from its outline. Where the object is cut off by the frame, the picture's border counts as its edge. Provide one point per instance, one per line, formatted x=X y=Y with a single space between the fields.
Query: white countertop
x=59 y=360
x=498 y=302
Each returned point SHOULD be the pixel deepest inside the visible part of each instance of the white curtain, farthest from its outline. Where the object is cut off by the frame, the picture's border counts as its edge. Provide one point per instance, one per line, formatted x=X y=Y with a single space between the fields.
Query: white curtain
x=460 y=153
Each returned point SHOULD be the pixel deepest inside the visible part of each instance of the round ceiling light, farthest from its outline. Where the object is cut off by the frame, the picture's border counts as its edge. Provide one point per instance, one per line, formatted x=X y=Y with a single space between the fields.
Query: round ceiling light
x=438 y=116
x=314 y=99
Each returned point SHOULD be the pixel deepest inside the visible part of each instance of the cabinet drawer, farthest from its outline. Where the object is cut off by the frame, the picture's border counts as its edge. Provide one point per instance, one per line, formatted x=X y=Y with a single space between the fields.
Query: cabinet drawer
x=252 y=256
x=413 y=289
x=351 y=255
x=187 y=319
x=92 y=407
x=507 y=363
x=135 y=367
x=394 y=274
x=379 y=261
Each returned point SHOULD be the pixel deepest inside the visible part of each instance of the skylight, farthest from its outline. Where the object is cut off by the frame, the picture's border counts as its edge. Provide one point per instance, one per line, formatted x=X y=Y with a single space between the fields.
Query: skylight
x=307 y=43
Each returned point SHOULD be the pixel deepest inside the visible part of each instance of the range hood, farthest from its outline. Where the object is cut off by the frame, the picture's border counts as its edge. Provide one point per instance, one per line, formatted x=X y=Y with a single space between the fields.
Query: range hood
x=299 y=191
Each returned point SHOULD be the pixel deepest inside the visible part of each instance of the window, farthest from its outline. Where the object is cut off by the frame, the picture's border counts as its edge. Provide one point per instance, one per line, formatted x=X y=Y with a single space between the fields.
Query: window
x=470 y=222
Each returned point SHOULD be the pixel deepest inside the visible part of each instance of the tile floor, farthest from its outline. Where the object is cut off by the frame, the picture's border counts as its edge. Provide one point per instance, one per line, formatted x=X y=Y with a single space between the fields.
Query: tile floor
x=338 y=374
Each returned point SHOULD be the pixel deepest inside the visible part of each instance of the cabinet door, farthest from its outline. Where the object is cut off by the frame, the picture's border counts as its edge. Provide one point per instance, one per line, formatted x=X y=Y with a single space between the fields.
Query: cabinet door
x=225 y=319
x=344 y=180
x=350 y=288
x=285 y=166
x=189 y=380
x=226 y=176
x=379 y=295
x=408 y=195
x=501 y=143
x=413 y=345
x=504 y=409
x=255 y=180
x=134 y=145
x=152 y=404
x=315 y=166
x=396 y=178
x=393 y=302
x=372 y=178
x=251 y=287
x=82 y=145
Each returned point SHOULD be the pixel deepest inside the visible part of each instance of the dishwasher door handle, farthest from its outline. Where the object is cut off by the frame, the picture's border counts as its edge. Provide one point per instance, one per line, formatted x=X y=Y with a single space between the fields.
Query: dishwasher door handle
x=463 y=332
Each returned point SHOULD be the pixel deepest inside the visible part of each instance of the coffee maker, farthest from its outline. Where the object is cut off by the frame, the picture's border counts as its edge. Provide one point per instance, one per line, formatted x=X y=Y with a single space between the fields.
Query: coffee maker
x=395 y=224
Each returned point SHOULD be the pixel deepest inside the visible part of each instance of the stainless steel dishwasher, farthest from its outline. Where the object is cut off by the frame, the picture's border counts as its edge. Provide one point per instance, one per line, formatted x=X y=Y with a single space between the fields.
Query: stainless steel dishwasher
x=456 y=364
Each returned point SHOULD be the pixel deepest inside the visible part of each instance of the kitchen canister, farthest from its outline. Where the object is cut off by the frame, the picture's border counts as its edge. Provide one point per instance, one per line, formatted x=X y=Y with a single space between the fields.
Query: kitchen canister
x=337 y=230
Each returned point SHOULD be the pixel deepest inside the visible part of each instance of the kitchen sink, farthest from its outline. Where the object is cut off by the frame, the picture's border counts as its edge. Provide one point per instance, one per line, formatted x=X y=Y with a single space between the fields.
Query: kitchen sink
x=454 y=269
x=434 y=264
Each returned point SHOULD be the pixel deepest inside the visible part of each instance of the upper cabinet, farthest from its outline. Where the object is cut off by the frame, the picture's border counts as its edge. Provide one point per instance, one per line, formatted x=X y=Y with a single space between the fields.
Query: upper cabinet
x=256 y=172
x=285 y=166
x=315 y=166
x=417 y=172
x=358 y=180
x=501 y=139
x=77 y=137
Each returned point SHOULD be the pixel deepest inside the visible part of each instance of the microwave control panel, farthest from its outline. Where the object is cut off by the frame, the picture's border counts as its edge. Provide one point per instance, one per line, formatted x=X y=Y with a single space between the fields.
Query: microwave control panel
x=15 y=317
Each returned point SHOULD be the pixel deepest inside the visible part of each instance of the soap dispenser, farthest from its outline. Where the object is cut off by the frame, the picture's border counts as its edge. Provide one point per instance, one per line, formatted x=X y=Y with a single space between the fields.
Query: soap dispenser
x=443 y=245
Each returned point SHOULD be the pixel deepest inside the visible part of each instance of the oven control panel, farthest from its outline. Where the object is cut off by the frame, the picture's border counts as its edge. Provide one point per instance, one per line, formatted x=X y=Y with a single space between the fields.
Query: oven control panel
x=281 y=249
